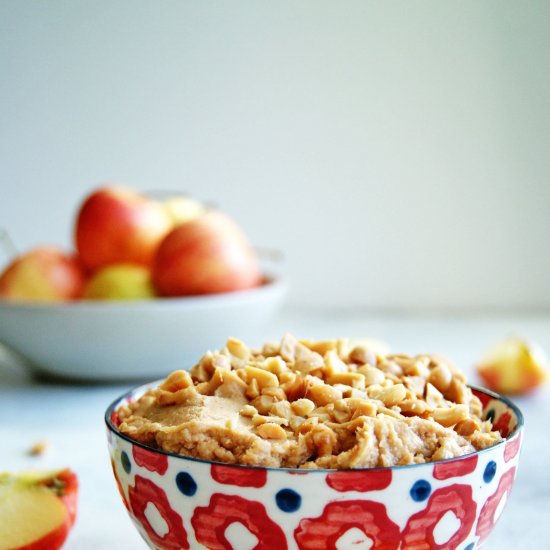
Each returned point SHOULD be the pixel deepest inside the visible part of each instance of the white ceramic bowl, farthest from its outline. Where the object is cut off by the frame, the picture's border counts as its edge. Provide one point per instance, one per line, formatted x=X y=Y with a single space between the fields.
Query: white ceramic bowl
x=108 y=341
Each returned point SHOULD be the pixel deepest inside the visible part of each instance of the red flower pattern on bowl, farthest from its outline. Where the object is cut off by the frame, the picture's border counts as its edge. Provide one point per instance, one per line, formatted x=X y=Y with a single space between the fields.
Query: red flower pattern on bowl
x=179 y=502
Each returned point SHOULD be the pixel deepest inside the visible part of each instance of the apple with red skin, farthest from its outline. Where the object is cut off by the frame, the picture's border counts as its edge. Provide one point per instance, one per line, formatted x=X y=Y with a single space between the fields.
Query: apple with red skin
x=118 y=225
x=207 y=255
x=38 y=509
x=44 y=273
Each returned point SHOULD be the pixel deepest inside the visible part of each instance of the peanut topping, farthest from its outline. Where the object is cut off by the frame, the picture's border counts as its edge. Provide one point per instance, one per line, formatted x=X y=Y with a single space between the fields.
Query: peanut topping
x=322 y=404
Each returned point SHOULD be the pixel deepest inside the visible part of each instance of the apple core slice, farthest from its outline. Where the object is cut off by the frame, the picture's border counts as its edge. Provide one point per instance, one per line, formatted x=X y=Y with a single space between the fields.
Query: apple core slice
x=32 y=518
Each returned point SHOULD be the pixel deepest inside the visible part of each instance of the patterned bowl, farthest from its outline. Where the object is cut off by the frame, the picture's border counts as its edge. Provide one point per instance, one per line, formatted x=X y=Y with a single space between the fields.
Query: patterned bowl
x=178 y=502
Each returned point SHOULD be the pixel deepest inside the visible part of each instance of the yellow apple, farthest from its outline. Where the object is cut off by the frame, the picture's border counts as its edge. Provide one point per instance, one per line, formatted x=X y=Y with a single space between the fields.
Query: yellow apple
x=183 y=209
x=120 y=282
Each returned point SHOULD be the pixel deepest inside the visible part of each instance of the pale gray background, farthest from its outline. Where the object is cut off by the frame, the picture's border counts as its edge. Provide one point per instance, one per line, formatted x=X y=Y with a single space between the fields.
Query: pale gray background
x=397 y=151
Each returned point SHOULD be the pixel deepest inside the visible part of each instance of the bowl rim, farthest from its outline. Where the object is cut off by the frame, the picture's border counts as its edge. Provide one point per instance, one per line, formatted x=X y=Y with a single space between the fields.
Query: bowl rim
x=272 y=284
x=140 y=389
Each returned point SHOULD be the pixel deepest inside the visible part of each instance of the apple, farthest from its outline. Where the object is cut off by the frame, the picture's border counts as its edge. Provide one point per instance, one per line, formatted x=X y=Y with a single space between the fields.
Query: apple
x=116 y=224
x=37 y=509
x=44 y=273
x=207 y=255
x=513 y=366
x=183 y=209
x=120 y=282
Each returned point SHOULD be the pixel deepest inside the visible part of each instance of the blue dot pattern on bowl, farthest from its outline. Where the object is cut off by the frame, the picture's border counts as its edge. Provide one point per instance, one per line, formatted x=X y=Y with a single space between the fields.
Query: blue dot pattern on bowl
x=490 y=471
x=288 y=500
x=186 y=484
x=470 y=546
x=420 y=490
x=125 y=460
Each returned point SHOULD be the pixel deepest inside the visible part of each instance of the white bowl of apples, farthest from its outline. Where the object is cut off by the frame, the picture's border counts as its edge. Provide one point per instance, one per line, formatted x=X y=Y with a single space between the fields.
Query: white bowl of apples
x=150 y=285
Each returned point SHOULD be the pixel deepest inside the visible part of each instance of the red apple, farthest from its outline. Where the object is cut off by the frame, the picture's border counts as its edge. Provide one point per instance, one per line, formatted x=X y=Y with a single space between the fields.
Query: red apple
x=207 y=255
x=116 y=225
x=37 y=510
x=43 y=274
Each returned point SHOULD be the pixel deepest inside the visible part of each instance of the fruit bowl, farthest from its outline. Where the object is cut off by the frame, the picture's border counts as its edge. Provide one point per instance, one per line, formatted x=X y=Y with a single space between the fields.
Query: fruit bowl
x=132 y=340
x=180 y=502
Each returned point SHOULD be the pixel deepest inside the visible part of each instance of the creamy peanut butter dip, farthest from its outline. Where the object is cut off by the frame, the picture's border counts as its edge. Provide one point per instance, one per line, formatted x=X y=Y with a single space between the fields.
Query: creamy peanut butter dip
x=306 y=404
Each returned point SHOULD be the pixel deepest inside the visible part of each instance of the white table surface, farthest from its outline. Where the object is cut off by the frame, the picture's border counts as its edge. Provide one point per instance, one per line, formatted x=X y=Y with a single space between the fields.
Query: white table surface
x=70 y=418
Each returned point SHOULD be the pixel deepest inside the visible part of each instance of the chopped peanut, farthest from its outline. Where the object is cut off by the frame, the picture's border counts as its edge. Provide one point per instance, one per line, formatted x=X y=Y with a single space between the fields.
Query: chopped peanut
x=372 y=375
x=248 y=410
x=362 y=355
x=365 y=409
x=392 y=395
x=282 y=409
x=270 y=430
x=441 y=377
x=466 y=427
x=334 y=364
x=449 y=416
x=302 y=407
x=263 y=403
x=178 y=380
x=238 y=349
x=276 y=365
x=39 y=448
x=322 y=394
x=353 y=379
x=457 y=392
x=263 y=377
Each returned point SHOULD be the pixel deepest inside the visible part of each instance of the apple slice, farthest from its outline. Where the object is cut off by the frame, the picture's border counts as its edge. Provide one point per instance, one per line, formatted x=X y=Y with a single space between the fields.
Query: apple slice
x=37 y=509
